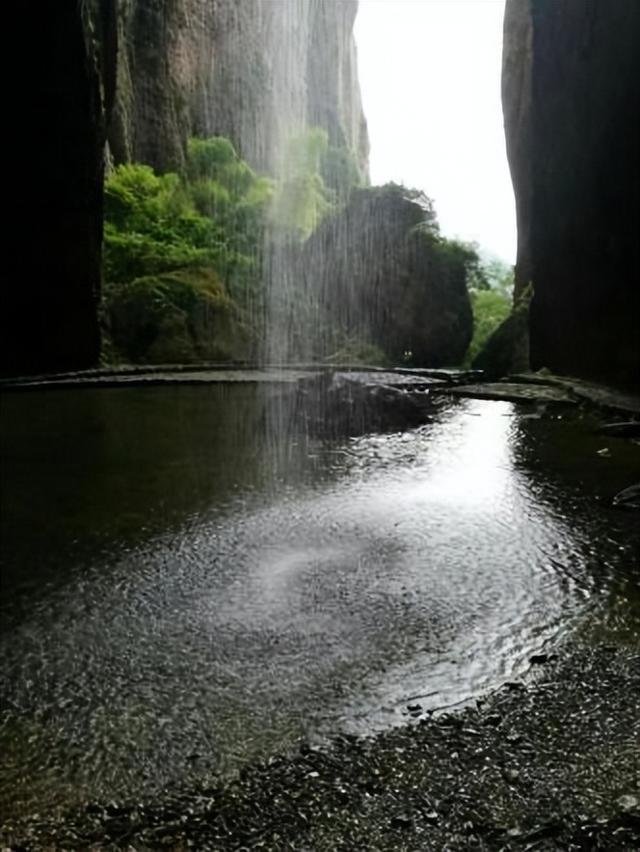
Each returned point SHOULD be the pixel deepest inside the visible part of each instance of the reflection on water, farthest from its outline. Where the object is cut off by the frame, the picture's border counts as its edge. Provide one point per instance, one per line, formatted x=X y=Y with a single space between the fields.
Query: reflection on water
x=186 y=589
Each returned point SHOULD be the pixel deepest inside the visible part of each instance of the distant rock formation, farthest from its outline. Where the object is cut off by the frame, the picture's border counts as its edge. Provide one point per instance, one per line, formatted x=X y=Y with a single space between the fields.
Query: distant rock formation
x=571 y=95
x=379 y=271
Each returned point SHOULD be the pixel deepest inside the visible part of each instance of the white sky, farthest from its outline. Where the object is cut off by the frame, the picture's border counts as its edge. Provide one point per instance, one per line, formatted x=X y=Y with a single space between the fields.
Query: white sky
x=430 y=77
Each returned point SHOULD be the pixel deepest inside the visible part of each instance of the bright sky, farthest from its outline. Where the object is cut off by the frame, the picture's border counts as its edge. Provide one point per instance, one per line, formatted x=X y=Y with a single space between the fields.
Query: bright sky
x=430 y=77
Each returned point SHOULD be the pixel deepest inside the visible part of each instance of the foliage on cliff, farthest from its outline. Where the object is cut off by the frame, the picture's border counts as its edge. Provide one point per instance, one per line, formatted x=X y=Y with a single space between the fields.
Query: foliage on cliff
x=315 y=179
x=213 y=217
x=491 y=291
x=183 y=316
x=210 y=216
x=190 y=259
x=182 y=256
x=490 y=308
x=506 y=349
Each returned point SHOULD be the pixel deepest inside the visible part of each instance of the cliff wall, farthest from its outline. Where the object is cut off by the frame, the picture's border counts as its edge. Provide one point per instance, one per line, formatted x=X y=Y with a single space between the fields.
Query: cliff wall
x=148 y=74
x=571 y=95
x=54 y=231
x=255 y=71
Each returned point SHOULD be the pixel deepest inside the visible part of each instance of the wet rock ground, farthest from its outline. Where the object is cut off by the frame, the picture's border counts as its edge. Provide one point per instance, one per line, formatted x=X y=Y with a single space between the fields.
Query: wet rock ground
x=516 y=392
x=541 y=387
x=548 y=763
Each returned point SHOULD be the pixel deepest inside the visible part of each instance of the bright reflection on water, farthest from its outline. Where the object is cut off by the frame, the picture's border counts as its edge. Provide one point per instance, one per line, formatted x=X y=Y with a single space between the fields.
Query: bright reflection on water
x=176 y=604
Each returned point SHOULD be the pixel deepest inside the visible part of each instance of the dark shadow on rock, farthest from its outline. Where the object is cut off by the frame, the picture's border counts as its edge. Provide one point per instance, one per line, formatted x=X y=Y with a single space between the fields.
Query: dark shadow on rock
x=334 y=406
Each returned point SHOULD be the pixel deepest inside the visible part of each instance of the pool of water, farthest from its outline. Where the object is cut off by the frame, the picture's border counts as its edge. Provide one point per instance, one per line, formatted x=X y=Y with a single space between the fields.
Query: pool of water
x=190 y=581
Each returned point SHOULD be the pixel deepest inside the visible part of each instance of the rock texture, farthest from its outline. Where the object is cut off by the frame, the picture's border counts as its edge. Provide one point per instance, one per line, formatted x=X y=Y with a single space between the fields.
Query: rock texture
x=50 y=297
x=379 y=272
x=571 y=94
x=255 y=71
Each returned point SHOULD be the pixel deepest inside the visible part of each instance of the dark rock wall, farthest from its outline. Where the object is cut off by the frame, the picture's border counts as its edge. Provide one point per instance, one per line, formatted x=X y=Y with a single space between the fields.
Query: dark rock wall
x=252 y=70
x=571 y=92
x=50 y=297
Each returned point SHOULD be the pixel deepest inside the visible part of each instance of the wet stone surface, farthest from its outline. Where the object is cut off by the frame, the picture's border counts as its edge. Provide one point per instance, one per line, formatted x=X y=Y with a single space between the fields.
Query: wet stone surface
x=553 y=765
x=512 y=392
x=597 y=395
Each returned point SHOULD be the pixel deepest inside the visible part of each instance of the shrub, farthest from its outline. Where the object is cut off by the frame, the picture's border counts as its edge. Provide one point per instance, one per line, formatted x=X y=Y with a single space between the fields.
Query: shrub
x=214 y=215
x=302 y=200
x=151 y=225
x=490 y=308
x=340 y=171
x=181 y=316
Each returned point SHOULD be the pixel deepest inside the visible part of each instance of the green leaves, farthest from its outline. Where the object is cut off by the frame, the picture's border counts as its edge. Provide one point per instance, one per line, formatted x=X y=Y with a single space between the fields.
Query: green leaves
x=490 y=308
x=213 y=215
x=301 y=199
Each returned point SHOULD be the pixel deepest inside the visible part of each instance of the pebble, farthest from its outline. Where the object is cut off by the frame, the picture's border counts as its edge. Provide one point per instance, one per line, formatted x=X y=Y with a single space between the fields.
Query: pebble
x=629 y=803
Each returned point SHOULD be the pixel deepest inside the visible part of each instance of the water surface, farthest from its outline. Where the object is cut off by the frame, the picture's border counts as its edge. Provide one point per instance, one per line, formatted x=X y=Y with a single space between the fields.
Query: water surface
x=190 y=581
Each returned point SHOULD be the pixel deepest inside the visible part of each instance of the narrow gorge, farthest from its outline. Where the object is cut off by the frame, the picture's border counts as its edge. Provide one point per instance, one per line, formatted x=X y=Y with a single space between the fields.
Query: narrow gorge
x=319 y=523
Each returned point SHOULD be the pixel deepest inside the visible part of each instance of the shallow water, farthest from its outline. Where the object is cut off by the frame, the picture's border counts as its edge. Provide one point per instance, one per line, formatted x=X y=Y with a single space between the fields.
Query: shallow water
x=190 y=581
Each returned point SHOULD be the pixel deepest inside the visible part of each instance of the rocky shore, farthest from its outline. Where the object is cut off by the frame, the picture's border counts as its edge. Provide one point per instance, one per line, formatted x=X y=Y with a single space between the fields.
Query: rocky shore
x=550 y=762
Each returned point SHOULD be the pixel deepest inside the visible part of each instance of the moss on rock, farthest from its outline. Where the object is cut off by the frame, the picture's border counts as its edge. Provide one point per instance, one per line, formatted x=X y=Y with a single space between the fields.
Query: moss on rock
x=183 y=316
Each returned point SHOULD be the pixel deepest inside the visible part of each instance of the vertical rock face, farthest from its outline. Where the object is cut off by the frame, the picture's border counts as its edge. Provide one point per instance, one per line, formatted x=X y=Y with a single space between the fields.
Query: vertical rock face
x=571 y=94
x=49 y=305
x=252 y=70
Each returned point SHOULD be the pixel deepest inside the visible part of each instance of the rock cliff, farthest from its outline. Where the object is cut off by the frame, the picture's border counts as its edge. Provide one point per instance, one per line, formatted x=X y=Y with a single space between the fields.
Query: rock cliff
x=571 y=95
x=379 y=272
x=148 y=74
x=254 y=71
x=50 y=293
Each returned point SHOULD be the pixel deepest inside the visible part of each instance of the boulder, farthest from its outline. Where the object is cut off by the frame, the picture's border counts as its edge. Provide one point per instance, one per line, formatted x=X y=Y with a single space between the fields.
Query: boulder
x=379 y=271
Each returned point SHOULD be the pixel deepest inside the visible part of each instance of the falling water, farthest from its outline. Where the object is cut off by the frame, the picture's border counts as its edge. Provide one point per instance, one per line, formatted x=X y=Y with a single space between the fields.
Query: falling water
x=220 y=571
x=177 y=615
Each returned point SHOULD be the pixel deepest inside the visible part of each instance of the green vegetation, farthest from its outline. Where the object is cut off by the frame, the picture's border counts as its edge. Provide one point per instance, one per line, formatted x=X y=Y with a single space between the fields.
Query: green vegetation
x=149 y=225
x=182 y=252
x=183 y=258
x=228 y=194
x=212 y=216
x=356 y=351
x=506 y=350
x=490 y=284
x=490 y=308
x=499 y=275
x=302 y=199
x=182 y=316
x=340 y=171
